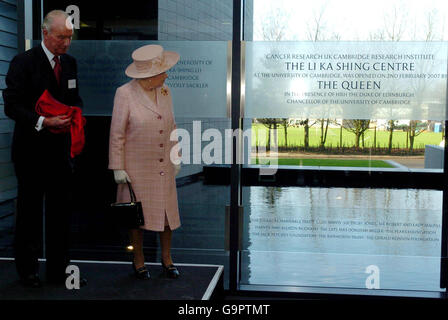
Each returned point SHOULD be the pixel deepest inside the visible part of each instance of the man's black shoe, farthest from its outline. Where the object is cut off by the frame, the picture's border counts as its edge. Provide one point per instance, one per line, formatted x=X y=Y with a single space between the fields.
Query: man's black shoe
x=61 y=281
x=82 y=282
x=31 y=281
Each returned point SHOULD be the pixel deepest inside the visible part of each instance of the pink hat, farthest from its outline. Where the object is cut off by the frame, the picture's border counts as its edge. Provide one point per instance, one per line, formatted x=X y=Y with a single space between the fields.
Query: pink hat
x=151 y=60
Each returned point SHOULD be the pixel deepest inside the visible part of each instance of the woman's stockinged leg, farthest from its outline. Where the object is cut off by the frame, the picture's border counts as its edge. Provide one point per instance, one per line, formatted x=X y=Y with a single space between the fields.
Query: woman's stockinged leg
x=167 y=263
x=136 y=238
x=165 y=244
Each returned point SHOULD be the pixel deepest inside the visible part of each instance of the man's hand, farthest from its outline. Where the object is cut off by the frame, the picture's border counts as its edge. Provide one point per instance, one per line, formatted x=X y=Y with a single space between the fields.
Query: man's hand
x=58 y=122
x=121 y=176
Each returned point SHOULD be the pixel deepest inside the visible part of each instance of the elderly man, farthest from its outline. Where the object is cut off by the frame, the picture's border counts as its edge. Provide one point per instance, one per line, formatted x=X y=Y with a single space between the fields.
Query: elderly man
x=41 y=158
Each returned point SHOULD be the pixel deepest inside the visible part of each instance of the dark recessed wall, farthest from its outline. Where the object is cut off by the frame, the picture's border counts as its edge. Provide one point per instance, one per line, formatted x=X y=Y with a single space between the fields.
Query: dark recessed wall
x=109 y=20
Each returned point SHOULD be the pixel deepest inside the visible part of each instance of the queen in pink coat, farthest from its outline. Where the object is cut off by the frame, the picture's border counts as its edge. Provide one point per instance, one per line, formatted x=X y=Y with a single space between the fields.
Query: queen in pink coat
x=141 y=151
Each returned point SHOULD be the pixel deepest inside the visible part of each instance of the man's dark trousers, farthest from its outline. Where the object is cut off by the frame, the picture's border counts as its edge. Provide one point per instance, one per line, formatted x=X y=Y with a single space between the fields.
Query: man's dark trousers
x=45 y=185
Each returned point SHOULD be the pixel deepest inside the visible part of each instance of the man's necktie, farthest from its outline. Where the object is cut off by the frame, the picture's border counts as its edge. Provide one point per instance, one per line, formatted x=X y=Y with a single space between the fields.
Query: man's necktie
x=57 y=69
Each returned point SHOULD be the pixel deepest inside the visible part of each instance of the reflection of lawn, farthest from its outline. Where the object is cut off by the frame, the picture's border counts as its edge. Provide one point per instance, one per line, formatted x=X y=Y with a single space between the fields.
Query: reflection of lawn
x=296 y=137
x=330 y=163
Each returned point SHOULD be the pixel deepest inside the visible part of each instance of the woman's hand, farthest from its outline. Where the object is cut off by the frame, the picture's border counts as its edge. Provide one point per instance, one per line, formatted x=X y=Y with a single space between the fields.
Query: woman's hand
x=176 y=169
x=121 y=176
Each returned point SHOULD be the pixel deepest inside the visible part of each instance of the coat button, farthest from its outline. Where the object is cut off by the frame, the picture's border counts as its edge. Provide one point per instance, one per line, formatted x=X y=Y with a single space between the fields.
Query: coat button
x=161 y=131
x=162 y=173
x=161 y=145
x=159 y=117
x=161 y=160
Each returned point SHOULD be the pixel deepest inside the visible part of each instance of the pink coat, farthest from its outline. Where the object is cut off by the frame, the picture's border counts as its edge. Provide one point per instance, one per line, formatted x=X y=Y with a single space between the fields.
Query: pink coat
x=140 y=144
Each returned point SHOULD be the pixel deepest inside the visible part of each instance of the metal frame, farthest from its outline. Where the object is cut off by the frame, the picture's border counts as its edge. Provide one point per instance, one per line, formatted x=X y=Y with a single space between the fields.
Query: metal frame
x=235 y=171
x=21 y=26
x=285 y=177
x=444 y=236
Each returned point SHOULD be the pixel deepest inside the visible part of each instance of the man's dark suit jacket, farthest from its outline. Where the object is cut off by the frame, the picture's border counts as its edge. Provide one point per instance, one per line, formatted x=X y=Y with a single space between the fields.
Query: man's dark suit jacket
x=30 y=73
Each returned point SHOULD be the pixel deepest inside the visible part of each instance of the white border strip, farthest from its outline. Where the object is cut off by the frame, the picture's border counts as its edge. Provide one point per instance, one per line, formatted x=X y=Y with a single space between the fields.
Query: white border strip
x=213 y=283
x=208 y=291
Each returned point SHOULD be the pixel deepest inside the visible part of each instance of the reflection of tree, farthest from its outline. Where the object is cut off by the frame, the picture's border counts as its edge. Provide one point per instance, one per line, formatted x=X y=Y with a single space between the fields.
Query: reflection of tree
x=284 y=122
x=274 y=26
x=316 y=25
x=414 y=129
x=271 y=196
x=429 y=30
x=357 y=127
x=395 y=22
x=395 y=27
x=271 y=124
x=306 y=128
x=324 y=123
x=391 y=127
x=274 y=30
x=316 y=31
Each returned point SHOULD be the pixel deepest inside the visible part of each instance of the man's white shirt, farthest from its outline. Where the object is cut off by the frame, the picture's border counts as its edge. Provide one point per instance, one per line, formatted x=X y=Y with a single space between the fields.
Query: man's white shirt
x=50 y=56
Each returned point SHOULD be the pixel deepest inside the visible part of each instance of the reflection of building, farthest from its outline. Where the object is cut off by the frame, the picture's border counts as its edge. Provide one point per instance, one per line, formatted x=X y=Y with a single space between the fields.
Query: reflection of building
x=384 y=124
x=8 y=49
x=209 y=20
x=200 y=21
x=195 y=20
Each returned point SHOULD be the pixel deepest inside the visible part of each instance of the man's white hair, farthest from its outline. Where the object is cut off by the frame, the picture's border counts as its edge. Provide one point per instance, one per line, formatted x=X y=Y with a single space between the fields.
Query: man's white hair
x=49 y=18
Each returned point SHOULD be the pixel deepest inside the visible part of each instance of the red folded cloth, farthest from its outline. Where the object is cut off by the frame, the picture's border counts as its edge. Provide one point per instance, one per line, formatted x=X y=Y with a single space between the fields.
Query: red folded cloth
x=48 y=106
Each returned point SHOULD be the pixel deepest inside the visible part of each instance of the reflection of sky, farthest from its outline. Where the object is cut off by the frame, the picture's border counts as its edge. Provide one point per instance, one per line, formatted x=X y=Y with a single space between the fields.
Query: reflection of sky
x=293 y=257
x=354 y=19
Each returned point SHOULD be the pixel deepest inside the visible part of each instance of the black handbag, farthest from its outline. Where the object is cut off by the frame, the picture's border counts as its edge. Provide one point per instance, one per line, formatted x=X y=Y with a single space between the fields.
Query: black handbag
x=128 y=214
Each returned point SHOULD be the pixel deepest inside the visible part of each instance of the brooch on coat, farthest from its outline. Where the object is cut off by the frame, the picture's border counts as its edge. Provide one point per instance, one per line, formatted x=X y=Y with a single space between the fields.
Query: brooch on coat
x=164 y=91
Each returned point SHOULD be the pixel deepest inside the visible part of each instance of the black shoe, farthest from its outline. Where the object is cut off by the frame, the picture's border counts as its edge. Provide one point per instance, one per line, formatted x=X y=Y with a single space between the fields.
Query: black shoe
x=141 y=273
x=82 y=282
x=31 y=281
x=171 y=271
x=61 y=281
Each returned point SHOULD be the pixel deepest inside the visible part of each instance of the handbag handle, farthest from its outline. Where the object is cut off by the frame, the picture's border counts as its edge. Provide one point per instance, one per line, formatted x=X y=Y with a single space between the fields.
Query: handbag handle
x=131 y=192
